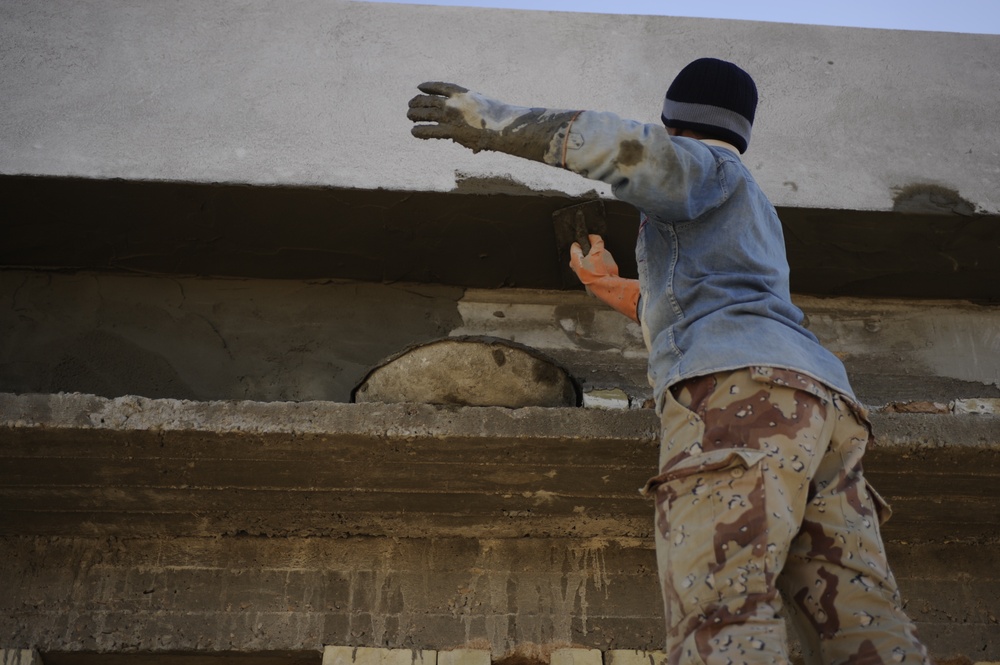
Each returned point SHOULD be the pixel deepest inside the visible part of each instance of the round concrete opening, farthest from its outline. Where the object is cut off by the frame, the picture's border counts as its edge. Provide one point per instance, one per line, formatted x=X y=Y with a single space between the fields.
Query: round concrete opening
x=470 y=372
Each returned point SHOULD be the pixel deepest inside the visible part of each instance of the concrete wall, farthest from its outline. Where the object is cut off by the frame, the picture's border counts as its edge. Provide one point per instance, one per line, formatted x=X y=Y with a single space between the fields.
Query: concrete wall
x=313 y=92
x=143 y=525
x=274 y=340
x=148 y=149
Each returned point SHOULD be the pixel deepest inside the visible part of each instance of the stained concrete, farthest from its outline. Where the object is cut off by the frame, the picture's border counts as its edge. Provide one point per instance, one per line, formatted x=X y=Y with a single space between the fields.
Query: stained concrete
x=262 y=657
x=274 y=340
x=150 y=595
x=210 y=469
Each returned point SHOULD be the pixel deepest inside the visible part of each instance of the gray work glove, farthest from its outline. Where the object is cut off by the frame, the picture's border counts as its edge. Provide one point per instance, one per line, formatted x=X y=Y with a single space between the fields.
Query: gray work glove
x=480 y=123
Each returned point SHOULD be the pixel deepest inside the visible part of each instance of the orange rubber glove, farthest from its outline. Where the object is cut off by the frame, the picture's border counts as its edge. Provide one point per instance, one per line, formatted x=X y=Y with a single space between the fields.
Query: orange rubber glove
x=599 y=272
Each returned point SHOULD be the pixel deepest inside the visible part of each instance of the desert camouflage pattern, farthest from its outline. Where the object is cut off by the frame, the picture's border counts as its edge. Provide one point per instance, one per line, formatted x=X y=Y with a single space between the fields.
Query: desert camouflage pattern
x=761 y=510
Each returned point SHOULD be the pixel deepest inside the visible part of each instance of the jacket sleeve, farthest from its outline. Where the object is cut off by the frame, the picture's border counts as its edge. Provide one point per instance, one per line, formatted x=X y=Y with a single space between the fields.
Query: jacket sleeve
x=671 y=178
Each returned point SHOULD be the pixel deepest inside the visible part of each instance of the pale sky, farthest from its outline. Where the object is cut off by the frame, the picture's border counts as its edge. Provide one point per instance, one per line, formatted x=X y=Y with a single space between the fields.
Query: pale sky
x=975 y=16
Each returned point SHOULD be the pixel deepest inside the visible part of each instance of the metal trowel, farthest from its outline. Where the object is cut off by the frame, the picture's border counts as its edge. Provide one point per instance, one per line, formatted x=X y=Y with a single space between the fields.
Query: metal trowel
x=573 y=224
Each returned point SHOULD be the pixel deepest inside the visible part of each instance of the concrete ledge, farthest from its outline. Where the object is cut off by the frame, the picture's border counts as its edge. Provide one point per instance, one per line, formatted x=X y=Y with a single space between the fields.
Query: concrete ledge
x=75 y=411
x=75 y=464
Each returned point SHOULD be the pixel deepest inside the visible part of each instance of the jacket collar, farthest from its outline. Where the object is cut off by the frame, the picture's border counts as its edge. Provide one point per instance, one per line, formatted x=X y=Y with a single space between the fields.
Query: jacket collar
x=721 y=144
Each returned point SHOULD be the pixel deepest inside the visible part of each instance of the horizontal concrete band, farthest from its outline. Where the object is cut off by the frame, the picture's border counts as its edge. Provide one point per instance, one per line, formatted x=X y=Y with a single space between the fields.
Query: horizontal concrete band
x=338 y=655
x=74 y=411
x=75 y=464
x=464 y=236
x=214 y=598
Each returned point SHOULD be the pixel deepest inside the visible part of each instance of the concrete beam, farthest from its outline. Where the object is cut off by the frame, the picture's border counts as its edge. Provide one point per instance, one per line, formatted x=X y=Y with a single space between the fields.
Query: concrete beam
x=461 y=238
x=119 y=126
x=314 y=94
x=83 y=465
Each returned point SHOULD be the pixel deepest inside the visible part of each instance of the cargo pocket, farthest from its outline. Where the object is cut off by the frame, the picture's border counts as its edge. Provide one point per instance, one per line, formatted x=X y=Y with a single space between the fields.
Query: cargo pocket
x=714 y=514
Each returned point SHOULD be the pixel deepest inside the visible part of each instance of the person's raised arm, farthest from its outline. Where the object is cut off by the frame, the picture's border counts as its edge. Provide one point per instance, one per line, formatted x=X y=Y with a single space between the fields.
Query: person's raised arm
x=480 y=123
x=640 y=162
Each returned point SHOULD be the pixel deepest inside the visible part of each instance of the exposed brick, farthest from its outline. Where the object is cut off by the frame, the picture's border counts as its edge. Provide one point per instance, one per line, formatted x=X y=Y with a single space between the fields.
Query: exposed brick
x=577 y=657
x=464 y=657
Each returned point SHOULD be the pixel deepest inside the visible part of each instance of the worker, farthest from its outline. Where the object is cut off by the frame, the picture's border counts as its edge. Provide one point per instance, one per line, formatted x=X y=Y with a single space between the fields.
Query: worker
x=762 y=507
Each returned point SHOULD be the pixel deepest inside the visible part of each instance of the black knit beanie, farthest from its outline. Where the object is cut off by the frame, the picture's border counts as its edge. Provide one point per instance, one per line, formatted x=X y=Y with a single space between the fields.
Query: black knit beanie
x=712 y=97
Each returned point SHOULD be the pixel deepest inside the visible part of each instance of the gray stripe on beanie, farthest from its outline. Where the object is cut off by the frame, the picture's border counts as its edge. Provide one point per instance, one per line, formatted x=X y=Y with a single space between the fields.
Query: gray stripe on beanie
x=705 y=114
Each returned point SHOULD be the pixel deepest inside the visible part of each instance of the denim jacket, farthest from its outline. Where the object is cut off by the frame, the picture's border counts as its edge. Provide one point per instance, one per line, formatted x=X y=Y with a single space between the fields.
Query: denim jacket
x=713 y=275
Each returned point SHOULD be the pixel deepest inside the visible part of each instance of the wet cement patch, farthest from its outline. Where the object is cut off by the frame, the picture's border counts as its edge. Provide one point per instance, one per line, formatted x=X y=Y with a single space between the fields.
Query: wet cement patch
x=462 y=238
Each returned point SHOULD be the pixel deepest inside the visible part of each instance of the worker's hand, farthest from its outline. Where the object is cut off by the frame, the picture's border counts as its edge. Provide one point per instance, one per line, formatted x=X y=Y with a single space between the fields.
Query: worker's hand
x=599 y=272
x=465 y=117
x=449 y=111
x=598 y=263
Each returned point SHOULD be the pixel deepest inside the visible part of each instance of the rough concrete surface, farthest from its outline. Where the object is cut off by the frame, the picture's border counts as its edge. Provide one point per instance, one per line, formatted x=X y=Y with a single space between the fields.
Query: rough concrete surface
x=275 y=340
x=77 y=465
x=156 y=526
x=211 y=595
x=315 y=93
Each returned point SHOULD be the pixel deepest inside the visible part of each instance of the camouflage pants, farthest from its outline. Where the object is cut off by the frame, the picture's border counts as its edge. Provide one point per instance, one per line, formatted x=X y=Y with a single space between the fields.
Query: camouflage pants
x=761 y=509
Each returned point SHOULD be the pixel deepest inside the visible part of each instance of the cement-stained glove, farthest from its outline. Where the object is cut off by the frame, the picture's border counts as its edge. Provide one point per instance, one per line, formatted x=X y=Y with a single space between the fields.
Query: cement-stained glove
x=479 y=123
x=599 y=272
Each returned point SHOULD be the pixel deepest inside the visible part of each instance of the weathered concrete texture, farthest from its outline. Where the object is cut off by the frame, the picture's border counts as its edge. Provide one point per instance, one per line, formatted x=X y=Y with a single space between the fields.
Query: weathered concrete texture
x=212 y=595
x=267 y=340
x=249 y=594
x=268 y=657
x=86 y=466
x=894 y=350
x=314 y=93
x=459 y=238
x=201 y=339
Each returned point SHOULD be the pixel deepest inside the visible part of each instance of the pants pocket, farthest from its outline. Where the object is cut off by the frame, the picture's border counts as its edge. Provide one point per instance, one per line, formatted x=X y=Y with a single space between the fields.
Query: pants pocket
x=712 y=526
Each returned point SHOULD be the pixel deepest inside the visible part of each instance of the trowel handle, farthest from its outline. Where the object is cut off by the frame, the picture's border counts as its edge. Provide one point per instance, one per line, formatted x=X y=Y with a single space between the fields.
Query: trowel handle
x=580 y=227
